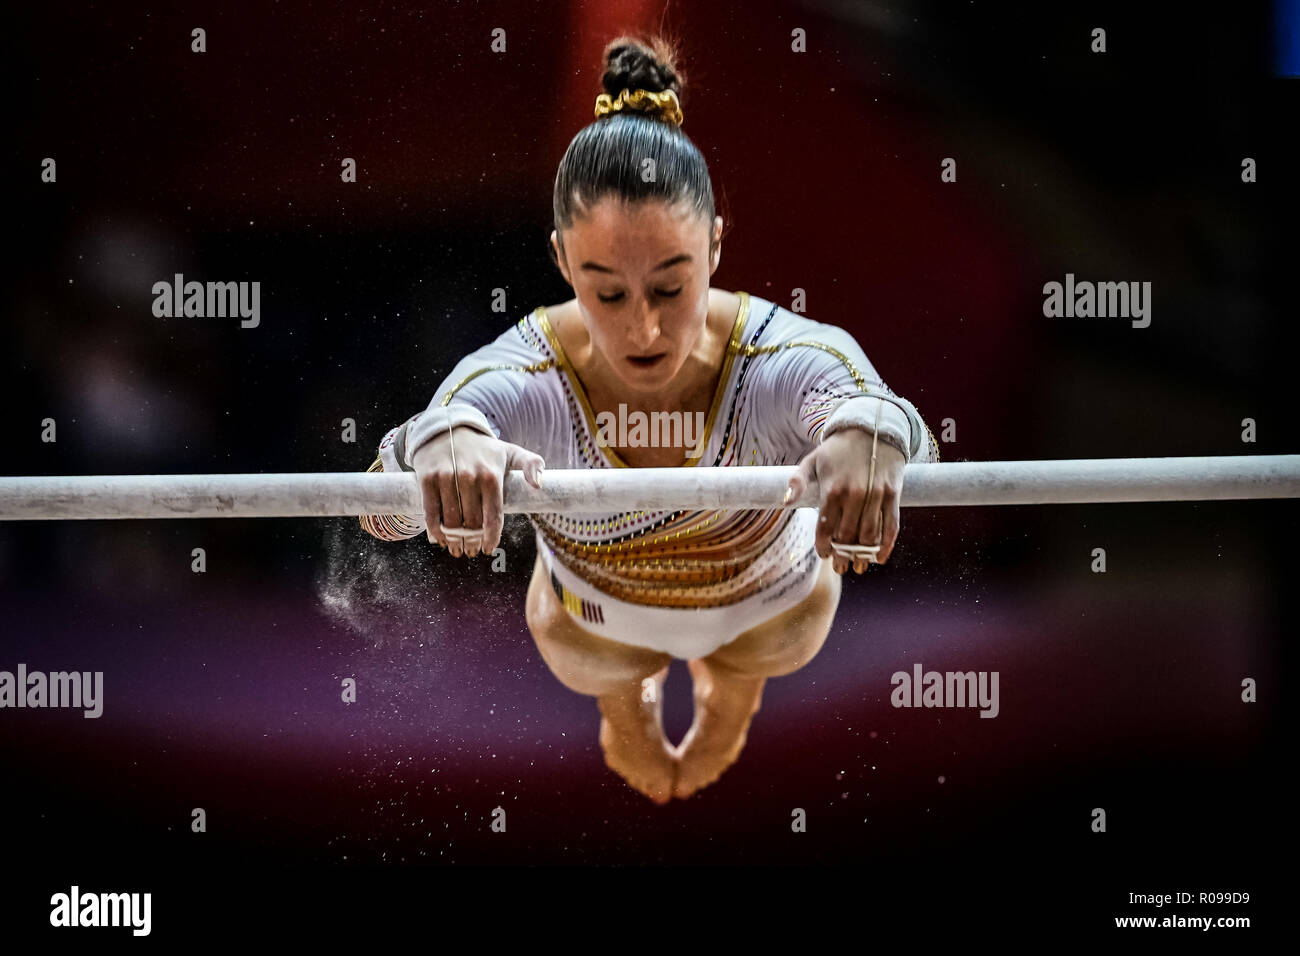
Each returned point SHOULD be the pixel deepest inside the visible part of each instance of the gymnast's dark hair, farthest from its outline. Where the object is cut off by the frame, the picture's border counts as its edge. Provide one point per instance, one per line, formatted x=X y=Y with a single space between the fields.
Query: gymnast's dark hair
x=606 y=157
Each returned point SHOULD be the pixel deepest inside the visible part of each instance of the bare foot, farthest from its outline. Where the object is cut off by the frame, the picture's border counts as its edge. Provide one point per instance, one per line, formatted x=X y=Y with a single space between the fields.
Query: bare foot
x=632 y=737
x=724 y=705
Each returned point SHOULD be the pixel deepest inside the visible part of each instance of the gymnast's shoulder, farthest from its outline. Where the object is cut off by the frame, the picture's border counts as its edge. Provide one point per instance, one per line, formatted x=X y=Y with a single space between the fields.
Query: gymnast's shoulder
x=771 y=329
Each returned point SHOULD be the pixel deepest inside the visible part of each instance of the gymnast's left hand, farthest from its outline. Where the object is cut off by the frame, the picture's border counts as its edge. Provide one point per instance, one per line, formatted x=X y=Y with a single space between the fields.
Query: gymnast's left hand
x=850 y=513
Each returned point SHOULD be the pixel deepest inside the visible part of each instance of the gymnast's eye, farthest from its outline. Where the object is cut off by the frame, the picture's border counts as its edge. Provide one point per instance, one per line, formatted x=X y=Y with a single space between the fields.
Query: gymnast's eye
x=667 y=294
x=612 y=298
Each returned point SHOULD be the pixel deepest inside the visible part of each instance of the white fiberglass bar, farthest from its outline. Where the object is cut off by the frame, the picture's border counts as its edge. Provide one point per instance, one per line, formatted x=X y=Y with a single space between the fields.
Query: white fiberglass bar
x=368 y=493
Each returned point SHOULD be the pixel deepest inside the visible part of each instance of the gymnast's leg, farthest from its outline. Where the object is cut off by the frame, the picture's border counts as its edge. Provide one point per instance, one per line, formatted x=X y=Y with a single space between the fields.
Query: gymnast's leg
x=729 y=682
x=631 y=728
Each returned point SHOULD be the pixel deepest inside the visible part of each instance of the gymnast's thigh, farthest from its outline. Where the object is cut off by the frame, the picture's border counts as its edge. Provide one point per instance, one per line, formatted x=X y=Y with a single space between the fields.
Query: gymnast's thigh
x=584 y=662
x=788 y=641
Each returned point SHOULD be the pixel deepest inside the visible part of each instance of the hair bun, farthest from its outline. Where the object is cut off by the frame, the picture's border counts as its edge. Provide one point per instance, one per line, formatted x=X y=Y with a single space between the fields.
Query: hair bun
x=634 y=64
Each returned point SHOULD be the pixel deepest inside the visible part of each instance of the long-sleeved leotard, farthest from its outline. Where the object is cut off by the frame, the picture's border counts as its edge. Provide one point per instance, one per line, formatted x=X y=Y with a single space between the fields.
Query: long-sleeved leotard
x=683 y=582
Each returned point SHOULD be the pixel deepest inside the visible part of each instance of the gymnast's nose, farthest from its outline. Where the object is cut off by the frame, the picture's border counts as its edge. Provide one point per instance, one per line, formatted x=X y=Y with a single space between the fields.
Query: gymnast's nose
x=645 y=326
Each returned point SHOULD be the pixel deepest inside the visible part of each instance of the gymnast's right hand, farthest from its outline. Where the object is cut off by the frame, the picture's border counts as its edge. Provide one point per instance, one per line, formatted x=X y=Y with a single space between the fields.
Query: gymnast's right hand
x=481 y=464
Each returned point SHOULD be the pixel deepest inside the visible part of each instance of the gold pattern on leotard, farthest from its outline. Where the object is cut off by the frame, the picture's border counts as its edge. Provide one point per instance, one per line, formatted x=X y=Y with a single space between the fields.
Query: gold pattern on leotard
x=575 y=384
x=684 y=558
x=535 y=367
x=858 y=378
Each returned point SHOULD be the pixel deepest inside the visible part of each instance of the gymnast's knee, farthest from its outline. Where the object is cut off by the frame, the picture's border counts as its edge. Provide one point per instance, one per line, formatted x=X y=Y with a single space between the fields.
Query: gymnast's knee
x=593 y=670
x=783 y=645
x=586 y=663
x=773 y=657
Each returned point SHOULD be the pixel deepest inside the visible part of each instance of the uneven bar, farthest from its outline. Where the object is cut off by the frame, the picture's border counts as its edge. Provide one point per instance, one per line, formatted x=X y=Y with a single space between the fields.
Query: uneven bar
x=326 y=494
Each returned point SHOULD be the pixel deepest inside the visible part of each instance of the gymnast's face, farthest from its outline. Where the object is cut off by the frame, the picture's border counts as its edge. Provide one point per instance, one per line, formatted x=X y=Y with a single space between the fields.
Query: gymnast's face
x=640 y=274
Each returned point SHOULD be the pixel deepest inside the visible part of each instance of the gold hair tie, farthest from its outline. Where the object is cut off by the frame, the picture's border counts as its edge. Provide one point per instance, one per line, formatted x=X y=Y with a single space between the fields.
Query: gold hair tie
x=662 y=106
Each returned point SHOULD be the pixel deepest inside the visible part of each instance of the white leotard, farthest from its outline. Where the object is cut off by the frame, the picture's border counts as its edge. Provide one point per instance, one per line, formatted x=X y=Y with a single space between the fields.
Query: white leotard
x=682 y=582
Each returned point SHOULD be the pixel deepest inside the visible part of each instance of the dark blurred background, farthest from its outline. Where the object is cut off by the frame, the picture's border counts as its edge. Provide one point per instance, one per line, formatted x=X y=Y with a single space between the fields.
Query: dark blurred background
x=1119 y=690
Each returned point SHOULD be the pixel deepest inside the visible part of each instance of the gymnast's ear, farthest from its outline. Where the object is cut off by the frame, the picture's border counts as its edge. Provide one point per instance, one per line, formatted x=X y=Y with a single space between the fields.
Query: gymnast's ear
x=557 y=256
x=715 y=245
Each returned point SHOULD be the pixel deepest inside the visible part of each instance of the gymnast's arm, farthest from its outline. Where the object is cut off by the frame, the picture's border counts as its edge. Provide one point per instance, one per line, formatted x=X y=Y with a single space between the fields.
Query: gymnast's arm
x=827 y=384
x=488 y=400
x=836 y=411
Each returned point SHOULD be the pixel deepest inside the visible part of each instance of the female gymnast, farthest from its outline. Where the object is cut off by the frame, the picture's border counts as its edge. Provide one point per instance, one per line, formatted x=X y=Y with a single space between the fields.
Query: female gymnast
x=740 y=595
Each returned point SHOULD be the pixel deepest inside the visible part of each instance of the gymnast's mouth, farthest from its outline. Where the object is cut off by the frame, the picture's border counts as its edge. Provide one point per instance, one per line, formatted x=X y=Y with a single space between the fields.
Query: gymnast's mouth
x=647 y=361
